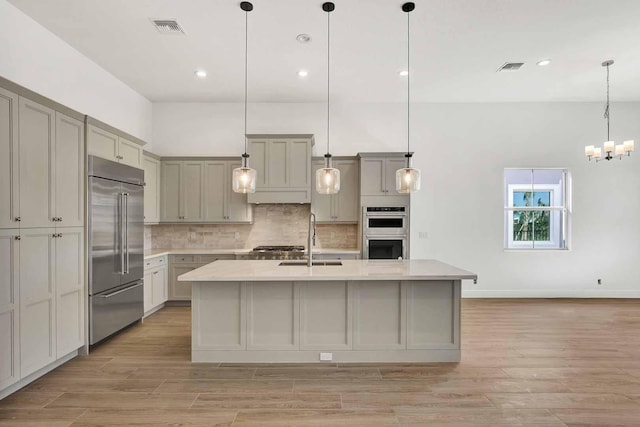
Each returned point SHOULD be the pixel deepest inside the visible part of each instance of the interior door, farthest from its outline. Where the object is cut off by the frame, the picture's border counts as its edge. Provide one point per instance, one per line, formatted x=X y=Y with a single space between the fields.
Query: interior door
x=133 y=223
x=104 y=235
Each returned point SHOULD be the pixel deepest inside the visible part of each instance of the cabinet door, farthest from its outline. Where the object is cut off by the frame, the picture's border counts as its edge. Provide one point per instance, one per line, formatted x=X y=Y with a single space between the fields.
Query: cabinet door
x=129 y=153
x=37 y=300
x=151 y=190
x=299 y=163
x=148 y=290
x=37 y=136
x=373 y=177
x=215 y=181
x=69 y=171
x=171 y=199
x=192 y=183
x=321 y=204
x=238 y=207
x=258 y=161
x=347 y=202
x=180 y=291
x=392 y=165
x=9 y=207
x=277 y=162
x=159 y=285
x=9 y=308
x=101 y=143
x=69 y=284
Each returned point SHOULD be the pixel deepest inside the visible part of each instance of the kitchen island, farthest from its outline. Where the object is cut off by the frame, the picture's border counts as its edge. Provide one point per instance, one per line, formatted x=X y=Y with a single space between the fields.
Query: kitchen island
x=358 y=311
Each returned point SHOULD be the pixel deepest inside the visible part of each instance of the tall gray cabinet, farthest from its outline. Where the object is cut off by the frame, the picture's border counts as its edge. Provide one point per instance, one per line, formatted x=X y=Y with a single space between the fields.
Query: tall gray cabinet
x=344 y=206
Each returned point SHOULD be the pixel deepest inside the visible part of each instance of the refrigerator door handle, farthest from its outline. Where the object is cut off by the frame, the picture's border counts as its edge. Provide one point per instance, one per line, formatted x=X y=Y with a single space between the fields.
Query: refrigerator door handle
x=120 y=231
x=113 y=294
x=126 y=231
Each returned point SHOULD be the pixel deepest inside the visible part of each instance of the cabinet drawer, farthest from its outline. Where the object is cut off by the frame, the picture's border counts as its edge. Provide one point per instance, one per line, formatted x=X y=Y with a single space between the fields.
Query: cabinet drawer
x=206 y=259
x=155 y=262
x=180 y=259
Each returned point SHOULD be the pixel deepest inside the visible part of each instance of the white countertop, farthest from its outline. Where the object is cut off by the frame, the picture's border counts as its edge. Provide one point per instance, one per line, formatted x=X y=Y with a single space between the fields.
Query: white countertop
x=270 y=270
x=153 y=253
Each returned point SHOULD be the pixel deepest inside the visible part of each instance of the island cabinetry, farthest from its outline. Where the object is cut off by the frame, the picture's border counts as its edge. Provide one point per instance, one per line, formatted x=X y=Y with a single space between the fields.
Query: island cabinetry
x=258 y=311
x=342 y=207
x=283 y=165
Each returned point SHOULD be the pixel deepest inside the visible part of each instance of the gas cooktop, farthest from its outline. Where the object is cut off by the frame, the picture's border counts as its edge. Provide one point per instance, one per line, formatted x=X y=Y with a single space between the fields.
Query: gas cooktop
x=278 y=249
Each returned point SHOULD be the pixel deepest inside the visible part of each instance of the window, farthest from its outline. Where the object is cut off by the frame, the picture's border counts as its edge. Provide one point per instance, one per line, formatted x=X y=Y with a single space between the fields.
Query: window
x=536 y=210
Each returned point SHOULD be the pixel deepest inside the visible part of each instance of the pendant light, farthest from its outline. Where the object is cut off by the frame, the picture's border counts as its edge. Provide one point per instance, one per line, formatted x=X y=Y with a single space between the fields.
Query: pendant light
x=408 y=179
x=244 y=178
x=328 y=177
x=610 y=148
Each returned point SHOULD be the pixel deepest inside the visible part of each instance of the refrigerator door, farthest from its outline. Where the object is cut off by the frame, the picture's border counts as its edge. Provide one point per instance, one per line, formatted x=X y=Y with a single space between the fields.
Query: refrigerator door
x=113 y=310
x=133 y=232
x=105 y=267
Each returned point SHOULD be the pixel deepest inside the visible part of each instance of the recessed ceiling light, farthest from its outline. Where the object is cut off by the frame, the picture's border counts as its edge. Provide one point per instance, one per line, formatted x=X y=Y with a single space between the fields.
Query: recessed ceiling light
x=403 y=73
x=201 y=74
x=544 y=62
x=303 y=73
x=303 y=38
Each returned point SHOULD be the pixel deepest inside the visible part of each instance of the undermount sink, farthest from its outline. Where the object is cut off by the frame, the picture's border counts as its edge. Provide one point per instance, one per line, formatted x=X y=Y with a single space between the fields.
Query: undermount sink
x=314 y=263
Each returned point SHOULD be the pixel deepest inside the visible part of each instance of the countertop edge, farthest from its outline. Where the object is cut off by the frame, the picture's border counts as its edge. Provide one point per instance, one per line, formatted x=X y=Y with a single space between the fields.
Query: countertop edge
x=214 y=251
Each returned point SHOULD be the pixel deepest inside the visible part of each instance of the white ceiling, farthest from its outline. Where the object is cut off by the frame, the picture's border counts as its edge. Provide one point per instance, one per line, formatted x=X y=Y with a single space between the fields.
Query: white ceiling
x=457 y=45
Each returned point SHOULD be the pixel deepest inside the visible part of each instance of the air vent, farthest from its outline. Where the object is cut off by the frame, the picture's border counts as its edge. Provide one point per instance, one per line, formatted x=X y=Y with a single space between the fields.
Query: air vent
x=511 y=66
x=167 y=26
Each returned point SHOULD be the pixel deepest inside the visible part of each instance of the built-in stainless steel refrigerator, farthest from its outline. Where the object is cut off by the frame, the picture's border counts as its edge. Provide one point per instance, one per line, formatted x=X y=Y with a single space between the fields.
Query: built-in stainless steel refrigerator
x=116 y=246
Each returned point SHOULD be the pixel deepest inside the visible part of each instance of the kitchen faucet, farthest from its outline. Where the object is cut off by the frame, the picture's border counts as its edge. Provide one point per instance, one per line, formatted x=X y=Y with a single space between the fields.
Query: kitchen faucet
x=312 y=237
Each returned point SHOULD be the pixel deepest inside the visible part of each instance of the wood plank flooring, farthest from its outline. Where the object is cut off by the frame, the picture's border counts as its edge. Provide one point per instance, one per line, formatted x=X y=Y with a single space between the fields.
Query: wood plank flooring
x=525 y=363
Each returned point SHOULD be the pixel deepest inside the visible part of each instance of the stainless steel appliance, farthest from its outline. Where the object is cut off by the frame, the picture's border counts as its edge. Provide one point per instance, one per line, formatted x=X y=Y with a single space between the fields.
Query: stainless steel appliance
x=116 y=246
x=385 y=233
x=277 y=252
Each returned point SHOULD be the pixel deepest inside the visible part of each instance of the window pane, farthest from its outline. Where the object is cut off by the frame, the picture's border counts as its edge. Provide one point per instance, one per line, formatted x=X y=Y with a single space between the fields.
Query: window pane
x=522 y=198
x=542 y=226
x=523 y=226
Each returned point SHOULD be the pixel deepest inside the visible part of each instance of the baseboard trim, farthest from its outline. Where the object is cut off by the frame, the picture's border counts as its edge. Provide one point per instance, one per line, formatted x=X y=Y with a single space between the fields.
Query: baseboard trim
x=549 y=293
x=34 y=376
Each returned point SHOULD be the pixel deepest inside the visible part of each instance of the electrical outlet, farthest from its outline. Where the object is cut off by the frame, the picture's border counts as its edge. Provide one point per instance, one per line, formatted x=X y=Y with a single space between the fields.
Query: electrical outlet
x=599 y=281
x=326 y=357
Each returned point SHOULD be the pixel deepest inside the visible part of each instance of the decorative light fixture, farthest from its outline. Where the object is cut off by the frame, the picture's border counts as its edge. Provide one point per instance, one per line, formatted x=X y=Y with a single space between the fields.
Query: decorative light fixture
x=244 y=178
x=408 y=179
x=328 y=177
x=610 y=148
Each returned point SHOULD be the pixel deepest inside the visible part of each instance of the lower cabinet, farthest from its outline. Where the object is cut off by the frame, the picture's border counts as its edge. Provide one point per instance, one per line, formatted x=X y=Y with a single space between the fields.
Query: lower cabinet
x=181 y=264
x=155 y=284
x=41 y=299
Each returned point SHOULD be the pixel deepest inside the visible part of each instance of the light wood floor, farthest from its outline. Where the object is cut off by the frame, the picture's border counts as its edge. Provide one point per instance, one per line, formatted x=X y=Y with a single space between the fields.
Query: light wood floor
x=525 y=363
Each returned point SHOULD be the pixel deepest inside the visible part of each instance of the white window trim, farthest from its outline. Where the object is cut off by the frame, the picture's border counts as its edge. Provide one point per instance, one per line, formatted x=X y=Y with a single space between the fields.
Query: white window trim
x=556 y=209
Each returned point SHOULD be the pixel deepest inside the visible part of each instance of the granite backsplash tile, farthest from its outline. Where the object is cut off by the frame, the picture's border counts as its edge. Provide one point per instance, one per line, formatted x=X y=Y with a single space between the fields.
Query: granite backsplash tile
x=273 y=225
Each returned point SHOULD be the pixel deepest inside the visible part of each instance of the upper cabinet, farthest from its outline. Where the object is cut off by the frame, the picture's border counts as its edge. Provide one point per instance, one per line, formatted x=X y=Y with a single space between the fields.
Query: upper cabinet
x=200 y=191
x=69 y=172
x=283 y=165
x=107 y=144
x=9 y=178
x=151 y=189
x=378 y=173
x=342 y=207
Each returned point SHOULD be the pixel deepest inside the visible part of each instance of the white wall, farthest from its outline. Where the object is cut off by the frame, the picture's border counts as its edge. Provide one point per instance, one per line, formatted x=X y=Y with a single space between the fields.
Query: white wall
x=32 y=56
x=462 y=150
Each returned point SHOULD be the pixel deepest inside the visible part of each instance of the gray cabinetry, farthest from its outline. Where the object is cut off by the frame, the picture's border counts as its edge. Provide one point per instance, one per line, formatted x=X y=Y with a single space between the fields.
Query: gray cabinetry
x=283 y=165
x=344 y=206
x=221 y=203
x=110 y=144
x=378 y=173
x=9 y=187
x=69 y=172
x=182 y=191
x=181 y=264
x=151 y=189
x=9 y=307
x=156 y=288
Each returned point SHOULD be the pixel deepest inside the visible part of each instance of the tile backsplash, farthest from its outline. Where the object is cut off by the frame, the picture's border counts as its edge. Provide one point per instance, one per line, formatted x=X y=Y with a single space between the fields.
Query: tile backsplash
x=273 y=225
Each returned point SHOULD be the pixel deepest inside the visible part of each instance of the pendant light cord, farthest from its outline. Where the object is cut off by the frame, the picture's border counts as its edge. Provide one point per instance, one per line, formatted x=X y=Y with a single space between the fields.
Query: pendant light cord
x=408 y=83
x=246 y=67
x=328 y=76
x=606 y=109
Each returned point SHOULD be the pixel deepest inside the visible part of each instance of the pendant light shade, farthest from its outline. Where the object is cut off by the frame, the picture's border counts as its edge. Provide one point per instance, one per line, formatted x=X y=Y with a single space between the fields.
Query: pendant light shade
x=408 y=178
x=244 y=178
x=328 y=177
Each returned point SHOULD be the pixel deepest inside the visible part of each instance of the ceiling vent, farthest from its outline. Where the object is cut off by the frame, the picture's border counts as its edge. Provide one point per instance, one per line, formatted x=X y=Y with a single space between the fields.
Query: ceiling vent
x=167 y=26
x=511 y=66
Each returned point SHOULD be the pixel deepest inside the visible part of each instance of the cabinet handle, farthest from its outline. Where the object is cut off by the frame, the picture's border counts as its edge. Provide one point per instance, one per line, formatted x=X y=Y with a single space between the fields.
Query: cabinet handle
x=155 y=272
x=18 y=219
x=18 y=238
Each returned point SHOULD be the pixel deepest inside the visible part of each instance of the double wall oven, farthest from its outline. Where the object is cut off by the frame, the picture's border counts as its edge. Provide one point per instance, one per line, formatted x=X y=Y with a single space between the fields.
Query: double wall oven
x=385 y=232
